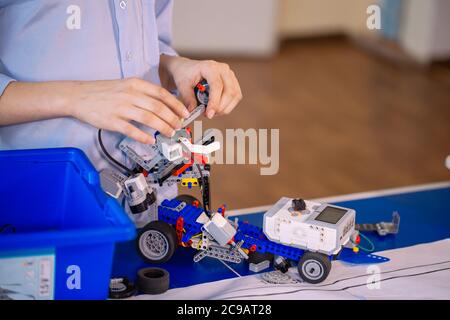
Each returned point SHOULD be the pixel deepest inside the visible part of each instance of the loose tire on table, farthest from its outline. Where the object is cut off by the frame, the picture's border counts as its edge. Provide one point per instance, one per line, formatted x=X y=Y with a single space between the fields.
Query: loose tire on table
x=153 y=280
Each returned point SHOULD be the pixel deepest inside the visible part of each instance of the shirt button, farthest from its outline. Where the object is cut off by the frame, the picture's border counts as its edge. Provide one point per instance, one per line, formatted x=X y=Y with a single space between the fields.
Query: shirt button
x=128 y=56
x=123 y=4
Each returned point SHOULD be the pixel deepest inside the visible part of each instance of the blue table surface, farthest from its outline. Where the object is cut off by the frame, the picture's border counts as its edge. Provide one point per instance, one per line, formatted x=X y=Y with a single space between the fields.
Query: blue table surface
x=425 y=217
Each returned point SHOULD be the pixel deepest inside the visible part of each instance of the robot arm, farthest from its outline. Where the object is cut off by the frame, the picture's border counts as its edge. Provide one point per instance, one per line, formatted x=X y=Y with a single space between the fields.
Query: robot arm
x=199 y=148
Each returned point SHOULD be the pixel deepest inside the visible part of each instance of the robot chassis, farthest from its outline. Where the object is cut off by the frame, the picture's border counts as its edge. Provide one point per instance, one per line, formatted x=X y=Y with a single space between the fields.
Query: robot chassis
x=307 y=233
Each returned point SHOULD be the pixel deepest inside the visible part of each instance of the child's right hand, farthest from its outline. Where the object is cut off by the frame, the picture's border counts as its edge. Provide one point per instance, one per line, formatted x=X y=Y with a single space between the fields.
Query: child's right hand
x=113 y=104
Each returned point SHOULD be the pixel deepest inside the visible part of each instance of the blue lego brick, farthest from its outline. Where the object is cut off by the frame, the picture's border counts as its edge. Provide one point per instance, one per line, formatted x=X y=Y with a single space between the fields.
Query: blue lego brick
x=251 y=230
x=347 y=255
x=167 y=213
x=253 y=235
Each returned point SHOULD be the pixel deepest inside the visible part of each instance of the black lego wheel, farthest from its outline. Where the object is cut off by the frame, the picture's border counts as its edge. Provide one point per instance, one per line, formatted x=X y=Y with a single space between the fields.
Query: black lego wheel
x=157 y=242
x=314 y=267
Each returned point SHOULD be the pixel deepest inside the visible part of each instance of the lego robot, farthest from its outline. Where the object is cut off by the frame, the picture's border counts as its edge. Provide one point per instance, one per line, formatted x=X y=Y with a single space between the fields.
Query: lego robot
x=295 y=231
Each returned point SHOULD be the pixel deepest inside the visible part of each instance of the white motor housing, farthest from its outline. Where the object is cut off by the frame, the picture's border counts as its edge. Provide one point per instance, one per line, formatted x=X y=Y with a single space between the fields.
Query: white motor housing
x=220 y=229
x=319 y=227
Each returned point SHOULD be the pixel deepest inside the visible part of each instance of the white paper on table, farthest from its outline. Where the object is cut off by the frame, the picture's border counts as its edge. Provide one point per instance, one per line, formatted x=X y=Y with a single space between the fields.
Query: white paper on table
x=418 y=272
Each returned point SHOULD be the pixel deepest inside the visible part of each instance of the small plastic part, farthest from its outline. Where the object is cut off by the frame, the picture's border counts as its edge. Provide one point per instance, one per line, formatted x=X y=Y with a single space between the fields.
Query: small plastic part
x=349 y=256
x=138 y=193
x=382 y=228
x=189 y=182
x=201 y=91
x=220 y=253
x=179 y=228
x=257 y=257
x=199 y=110
x=258 y=267
x=189 y=200
x=153 y=280
x=121 y=288
x=277 y=277
x=112 y=182
x=281 y=264
x=222 y=210
x=298 y=204
x=200 y=87
x=171 y=150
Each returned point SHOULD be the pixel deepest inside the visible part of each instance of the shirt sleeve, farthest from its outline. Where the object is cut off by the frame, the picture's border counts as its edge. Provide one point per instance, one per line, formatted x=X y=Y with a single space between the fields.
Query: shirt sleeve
x=164 y=9
x=4 y=81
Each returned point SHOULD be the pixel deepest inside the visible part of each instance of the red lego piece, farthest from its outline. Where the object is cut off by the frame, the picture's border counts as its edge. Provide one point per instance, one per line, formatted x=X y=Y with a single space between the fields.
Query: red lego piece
x=179 y=229
x=223 y=210
x=182 y=169
x=201 y=87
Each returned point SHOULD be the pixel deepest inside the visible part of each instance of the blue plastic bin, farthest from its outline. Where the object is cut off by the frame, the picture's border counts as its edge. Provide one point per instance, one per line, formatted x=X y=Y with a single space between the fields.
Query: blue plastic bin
x=57 y=227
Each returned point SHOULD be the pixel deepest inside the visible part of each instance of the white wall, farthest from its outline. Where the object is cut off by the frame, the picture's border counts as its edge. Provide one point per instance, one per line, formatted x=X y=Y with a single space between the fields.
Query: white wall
x=317 y=17
x=226 y=27
x=425 y=29
x=255 y=27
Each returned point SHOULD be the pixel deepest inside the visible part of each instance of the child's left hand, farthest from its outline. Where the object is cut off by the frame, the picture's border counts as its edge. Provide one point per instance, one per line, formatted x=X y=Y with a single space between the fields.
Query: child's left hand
x=224 y=90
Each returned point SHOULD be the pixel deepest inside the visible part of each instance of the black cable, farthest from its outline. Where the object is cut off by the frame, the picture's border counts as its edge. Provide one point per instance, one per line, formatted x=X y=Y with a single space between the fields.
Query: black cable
x=336 y=290
x=203 y=185
x=344 y=279
x=114 y=161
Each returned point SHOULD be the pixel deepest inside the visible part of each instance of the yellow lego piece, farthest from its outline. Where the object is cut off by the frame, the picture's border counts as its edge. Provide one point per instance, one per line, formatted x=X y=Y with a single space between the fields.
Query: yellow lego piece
x=193 y=181
x=355 y=249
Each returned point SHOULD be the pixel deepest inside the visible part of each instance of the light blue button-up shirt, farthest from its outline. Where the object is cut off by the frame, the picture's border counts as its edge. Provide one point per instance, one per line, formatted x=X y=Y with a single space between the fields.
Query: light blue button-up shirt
x=78 y=40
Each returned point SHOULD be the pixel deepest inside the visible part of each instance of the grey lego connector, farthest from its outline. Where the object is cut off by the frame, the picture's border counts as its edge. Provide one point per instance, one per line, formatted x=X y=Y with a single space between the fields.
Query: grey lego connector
x=382 y=228
x=258 y=267
x=199 y=110
x=277 y=277
x=112 y=182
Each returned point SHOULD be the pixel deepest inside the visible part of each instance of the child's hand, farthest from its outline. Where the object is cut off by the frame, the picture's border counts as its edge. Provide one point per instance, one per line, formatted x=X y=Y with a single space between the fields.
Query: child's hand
x=113 y=104
x=225 y=92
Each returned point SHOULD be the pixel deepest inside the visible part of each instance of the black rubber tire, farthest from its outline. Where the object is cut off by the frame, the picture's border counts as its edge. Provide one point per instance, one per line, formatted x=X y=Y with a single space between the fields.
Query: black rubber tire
x=320 y=260
x=188 y=199
x=257 y=257
x=153 y=280
x=169 y=234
